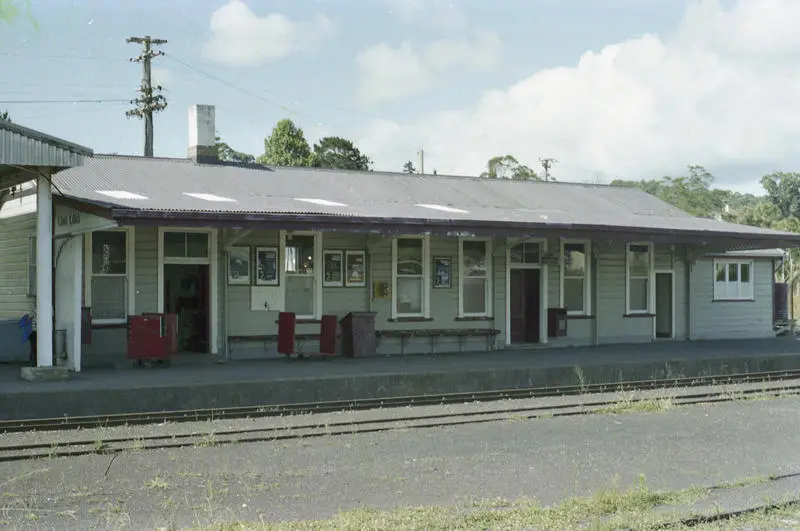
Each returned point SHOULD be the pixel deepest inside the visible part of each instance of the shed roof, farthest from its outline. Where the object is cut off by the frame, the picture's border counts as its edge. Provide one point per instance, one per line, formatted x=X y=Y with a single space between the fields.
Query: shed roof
x=138 y=189
x=22 y=149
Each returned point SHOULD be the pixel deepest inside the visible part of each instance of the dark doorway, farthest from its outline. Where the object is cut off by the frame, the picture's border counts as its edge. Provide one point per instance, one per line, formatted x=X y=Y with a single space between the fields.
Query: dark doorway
x=664 y=305
x=186 y=293
x=525 y=305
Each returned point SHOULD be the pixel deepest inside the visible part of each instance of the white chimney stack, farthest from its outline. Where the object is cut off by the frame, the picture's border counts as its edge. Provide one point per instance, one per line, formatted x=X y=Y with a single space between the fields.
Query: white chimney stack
x=202 y=134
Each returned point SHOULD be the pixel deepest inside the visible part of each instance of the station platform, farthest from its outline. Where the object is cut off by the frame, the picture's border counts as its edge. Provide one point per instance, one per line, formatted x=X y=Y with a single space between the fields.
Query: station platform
x=198 y=381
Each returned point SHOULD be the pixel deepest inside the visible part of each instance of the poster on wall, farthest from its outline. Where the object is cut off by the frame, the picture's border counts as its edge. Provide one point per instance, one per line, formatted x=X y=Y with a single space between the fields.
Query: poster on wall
x=356 y=269
x=266 y=266
x=239 y=265
x=442 y=267
x=332 y=269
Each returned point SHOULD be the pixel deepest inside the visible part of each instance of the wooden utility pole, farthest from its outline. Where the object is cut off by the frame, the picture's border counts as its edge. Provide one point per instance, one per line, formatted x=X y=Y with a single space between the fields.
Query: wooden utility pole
x=546 y=164
x=150 y=101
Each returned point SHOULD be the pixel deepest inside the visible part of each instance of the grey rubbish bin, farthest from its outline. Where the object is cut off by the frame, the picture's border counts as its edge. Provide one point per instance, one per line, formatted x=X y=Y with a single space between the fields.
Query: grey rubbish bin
x=358 y=334
x=13 y=349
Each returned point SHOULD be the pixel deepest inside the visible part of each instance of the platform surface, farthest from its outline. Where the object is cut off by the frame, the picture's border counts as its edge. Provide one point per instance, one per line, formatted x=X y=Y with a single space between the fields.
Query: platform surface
x=197 y=381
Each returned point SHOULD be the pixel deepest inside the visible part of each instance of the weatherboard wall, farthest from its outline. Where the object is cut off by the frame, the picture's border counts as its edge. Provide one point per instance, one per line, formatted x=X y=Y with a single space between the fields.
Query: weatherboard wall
x=732 y=319
x=15 y=232
x=444 y=303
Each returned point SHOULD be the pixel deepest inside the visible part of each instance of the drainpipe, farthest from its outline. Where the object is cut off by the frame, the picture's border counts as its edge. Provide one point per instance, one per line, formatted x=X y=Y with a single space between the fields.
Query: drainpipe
x=689 y=301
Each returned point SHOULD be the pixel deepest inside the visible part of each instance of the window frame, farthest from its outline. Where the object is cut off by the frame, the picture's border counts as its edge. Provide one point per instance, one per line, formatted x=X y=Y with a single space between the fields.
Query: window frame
x=317 y=276
x=650 y=279
x=489 y=277
x=185 y=259
x=130 y=273
x=587 y=278
x=426 y=278
x=33 y=269
x=738 y=262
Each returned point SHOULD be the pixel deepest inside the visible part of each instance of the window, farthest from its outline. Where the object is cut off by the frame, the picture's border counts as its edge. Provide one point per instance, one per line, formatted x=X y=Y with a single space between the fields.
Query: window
x=526 y=253
x=108 y=267
x=299 y=270
x=575 y=277
x=475 y=277
x=32 y=266
x=410 y=268
x=639 y=264
x=186 y=245
x=733 y=280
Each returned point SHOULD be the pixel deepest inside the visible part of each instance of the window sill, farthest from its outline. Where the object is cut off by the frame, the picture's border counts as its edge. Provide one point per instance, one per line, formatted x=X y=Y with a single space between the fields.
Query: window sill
x=733 y=300
x=578 y=316
x=301 y=320
x=410 y=320
x=109 y=326
x=642 y=314
x=474 y=318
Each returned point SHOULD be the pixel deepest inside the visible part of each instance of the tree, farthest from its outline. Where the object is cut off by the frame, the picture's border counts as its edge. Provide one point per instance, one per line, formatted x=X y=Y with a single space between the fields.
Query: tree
x=693 y=194
x=408 y=167
x=226 y=153
x=4 y=116
x=508 y=167
x=339 y=153
x=286 y=146
x=783 y=190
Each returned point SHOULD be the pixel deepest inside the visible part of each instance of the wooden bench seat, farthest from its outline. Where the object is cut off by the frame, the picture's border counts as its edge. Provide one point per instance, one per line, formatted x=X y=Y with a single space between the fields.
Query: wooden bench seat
x=434 y=334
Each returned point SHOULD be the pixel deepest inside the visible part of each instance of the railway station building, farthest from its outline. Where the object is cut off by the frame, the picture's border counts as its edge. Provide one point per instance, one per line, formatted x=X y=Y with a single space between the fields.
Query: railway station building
x=439 y=263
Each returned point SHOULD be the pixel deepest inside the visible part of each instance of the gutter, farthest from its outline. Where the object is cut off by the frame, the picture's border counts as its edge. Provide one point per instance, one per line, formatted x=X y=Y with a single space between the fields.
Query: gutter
x=441 y=227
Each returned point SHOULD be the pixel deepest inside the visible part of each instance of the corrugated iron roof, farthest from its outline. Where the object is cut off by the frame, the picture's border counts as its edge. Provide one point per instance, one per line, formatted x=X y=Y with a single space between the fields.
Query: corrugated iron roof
x=22 y=147
x=180 y=185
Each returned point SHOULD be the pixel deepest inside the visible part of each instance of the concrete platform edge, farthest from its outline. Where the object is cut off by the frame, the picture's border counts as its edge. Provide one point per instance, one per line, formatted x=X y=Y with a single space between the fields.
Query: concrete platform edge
x=60 y=403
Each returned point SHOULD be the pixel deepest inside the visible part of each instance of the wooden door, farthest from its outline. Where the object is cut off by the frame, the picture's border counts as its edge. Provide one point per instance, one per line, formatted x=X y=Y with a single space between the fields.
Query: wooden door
x=204 y=299
x=532 y=305
x=517 y=302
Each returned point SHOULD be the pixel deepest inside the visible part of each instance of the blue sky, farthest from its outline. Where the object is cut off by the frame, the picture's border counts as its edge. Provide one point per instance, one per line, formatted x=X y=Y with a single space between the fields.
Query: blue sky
x=584 y=81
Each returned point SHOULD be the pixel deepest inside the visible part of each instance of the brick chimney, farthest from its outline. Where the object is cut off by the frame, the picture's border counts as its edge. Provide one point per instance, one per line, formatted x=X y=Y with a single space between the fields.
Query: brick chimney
x=202 y=134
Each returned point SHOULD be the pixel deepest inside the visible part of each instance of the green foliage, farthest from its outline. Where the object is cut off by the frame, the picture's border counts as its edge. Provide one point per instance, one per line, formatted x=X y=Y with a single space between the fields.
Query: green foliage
x=226 y=153
x=4 y=116
x=10 y=10
x=339 y=153
x=508 y=167
x=286 y=146
x=408 y=167
x=693 y=193
x=783 y=190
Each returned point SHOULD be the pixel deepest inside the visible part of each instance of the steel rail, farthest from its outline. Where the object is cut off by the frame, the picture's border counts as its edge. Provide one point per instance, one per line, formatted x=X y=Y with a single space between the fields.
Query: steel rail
x=302 y=408
x=85 y=447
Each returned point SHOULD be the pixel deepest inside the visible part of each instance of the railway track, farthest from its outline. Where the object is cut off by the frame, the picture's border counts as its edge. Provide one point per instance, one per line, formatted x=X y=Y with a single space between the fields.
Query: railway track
x=309 y=430
x=241 y=412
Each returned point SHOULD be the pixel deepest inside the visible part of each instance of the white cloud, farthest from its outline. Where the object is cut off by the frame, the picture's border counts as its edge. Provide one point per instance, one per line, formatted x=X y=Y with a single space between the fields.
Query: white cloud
x=240 y=38
x=721 y=90
x=391 y=73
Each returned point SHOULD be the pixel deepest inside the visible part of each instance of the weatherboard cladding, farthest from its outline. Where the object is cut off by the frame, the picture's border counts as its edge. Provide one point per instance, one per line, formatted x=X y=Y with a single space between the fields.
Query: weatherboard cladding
x=375 y=195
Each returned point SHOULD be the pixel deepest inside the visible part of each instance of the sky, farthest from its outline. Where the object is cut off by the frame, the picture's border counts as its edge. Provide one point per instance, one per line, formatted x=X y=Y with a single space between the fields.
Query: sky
x=610 y=89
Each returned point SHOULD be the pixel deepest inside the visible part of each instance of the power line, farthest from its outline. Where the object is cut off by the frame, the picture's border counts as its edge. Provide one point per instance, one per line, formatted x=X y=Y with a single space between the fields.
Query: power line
x=237 y=87
x=150 y=101
x=21 y=102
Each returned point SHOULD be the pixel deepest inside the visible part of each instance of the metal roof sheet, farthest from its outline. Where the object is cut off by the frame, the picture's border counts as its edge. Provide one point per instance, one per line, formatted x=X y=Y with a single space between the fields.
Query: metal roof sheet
x=22 y=147
x=180 y=185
